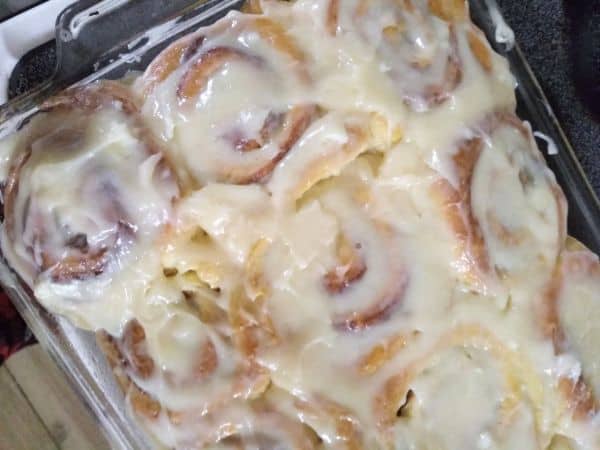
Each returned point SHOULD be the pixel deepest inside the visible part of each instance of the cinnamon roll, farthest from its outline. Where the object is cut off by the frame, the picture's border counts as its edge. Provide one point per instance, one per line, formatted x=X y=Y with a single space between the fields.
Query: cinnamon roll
x=570 y=304
x=468 y=391
x=73 y=216
x=208 y=93
x=415 y=40
x=331 y=144
x=495 y=173
x=180 y=364
x=359 y=278
x=315 y=225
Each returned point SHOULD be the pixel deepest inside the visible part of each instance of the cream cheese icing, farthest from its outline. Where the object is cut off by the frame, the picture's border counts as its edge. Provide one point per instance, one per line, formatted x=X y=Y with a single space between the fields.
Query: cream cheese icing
x=315 y=225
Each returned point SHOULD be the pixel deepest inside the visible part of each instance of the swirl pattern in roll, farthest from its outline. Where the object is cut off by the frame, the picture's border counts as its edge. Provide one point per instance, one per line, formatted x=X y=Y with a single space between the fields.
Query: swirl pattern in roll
x=89 y=191
x=416 y=41
x=221 y=125
x=493 y=174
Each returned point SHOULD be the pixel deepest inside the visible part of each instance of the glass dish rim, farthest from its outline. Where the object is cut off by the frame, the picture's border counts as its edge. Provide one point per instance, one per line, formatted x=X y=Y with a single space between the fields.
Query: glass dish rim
x=60 y=338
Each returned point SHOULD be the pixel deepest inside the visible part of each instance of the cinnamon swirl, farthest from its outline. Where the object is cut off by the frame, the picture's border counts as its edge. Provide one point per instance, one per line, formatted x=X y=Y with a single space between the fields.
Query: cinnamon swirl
x=74 y=220
x=417 y=40
x=495 y=173
x=312 y=225
x=219 y=121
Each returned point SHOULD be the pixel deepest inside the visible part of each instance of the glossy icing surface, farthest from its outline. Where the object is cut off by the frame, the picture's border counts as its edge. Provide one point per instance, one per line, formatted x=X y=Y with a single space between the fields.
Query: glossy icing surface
x=316 y=225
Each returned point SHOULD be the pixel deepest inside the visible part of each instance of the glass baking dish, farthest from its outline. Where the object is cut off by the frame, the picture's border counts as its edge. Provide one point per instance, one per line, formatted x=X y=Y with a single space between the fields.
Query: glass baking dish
x=131 y=34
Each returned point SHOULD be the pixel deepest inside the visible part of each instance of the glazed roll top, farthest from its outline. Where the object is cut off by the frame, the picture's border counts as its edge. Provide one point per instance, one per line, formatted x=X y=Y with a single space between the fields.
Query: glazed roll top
x=316 y=225
x=417 y=39
x=88 y=193
x=225 y=99
x=503 y=205
x=232 y=100
x=570 y=306
x=469 y=368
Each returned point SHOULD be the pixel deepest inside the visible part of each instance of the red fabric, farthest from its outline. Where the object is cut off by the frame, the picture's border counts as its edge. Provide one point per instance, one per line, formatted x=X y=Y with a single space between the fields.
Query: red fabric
x=14 y=334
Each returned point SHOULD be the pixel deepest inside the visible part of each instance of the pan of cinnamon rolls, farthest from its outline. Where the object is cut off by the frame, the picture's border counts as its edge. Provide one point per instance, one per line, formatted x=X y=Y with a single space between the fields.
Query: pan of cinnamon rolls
x=315 y=224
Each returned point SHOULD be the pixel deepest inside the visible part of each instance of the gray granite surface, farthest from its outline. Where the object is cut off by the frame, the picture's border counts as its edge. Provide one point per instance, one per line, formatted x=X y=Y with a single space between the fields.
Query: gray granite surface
x=544 y=30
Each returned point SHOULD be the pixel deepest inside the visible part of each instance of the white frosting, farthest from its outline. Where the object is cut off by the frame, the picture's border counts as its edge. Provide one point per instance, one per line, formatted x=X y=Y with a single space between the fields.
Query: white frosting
x=552 y=149
x=503 y=34
x=88 y=190
x=363 y=254
x=578 y=310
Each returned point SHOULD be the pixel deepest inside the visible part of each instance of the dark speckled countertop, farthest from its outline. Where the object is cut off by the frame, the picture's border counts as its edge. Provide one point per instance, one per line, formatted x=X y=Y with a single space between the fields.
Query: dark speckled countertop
x=544 y=30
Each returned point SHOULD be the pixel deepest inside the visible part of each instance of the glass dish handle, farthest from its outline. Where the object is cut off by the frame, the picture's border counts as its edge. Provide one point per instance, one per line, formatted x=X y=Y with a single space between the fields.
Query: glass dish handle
x=88 y=33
